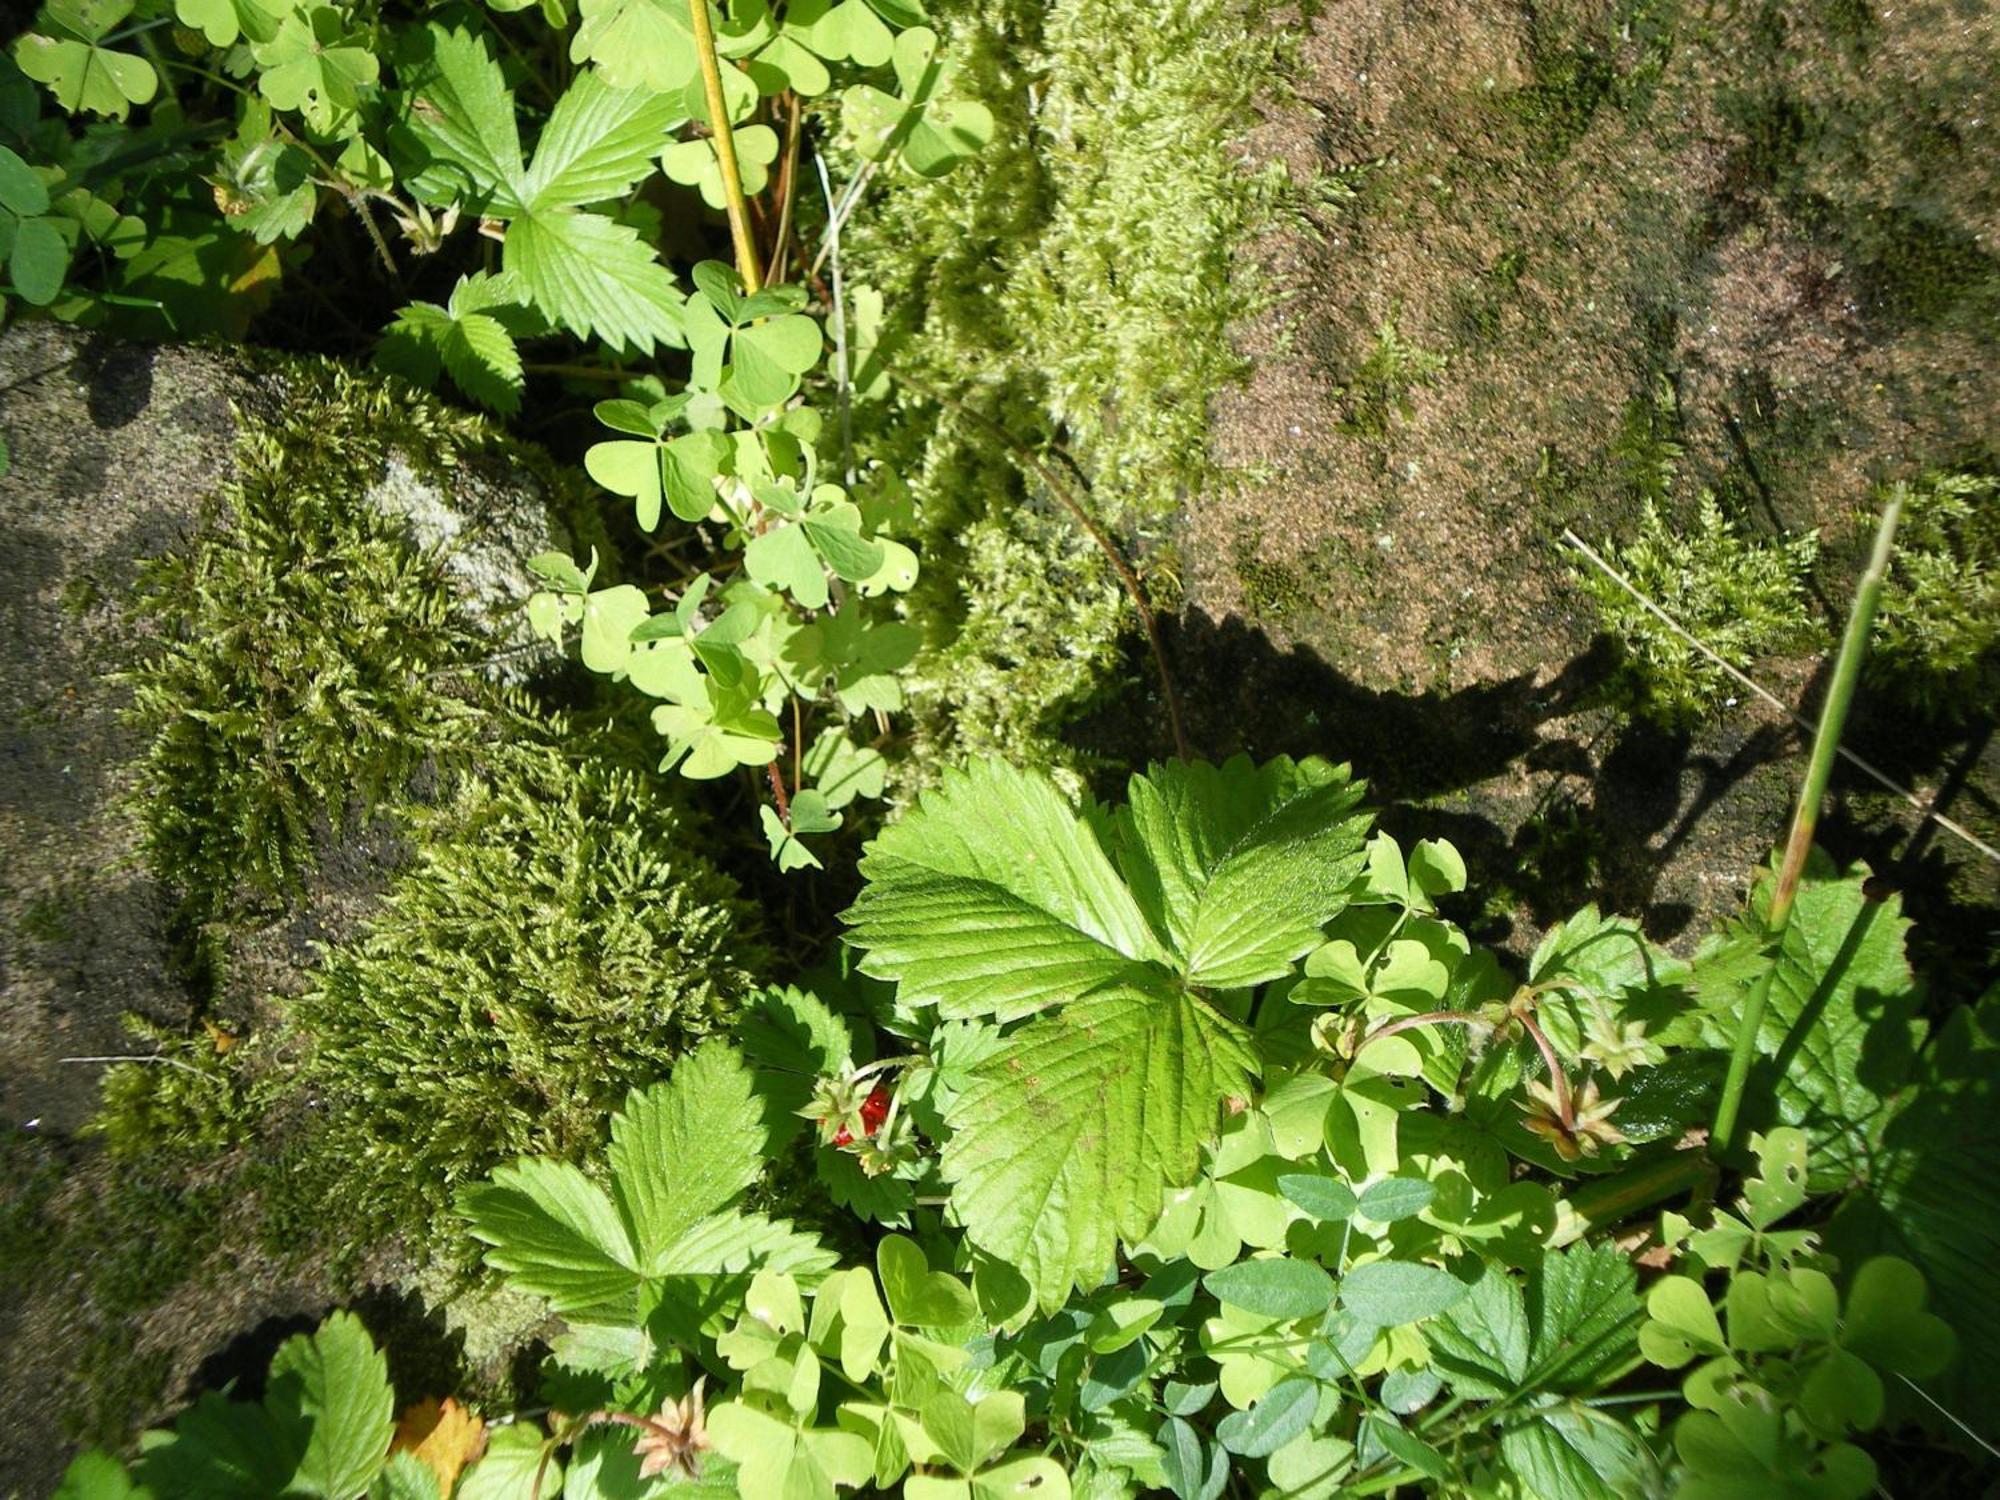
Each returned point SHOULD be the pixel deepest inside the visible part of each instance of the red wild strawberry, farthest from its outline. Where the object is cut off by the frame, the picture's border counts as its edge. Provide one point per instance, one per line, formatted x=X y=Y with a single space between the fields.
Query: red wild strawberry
x=875 y=1108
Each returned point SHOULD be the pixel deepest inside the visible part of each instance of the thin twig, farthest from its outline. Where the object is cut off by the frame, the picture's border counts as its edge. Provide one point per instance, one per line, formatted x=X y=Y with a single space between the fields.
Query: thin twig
x=1949 y=1415
x=725 y=148
x=788 y=190
x=1881 y=778
x=838 y=216
x=842 y=387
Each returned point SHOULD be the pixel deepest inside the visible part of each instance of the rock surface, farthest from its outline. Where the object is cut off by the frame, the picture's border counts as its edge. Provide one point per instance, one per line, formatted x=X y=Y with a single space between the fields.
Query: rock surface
x=114 y=449
x=1772 y=220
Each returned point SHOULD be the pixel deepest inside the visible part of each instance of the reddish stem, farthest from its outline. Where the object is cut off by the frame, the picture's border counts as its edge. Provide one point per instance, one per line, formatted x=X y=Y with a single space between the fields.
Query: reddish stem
x=778 y=793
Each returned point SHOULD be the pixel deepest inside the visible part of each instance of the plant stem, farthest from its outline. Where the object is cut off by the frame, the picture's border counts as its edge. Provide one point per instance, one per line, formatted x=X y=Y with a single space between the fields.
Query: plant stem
x=788 y=189
x=1558 y=1079
x=778 y=793
x=1805 y=818
x=1405 y=1023
x=725 y=149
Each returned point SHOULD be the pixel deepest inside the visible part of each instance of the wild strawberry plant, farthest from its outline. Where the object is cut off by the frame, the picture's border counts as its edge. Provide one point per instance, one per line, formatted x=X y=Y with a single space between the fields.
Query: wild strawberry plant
x=1209 y=1155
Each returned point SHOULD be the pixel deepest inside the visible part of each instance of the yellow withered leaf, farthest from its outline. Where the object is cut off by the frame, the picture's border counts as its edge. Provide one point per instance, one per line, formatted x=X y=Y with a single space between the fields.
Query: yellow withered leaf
x=443 y=1436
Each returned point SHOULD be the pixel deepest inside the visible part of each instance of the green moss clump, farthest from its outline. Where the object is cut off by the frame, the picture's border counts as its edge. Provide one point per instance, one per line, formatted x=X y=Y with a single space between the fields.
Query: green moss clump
x=1074 y=285
x=1557 y=108
x=556 y=940
x=305 y=646
x=1380 y=390
x=1937 y=633
x=1742 y=597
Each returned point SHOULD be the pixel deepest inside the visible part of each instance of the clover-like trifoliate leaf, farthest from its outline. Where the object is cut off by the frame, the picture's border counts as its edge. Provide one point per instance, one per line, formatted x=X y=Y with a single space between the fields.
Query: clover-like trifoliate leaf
x=315 y=65
x=1745 y=1450
x=931 y=134
x=841 y=30
x=713 y=735
x=695 y=163
x=809 y=815
x=67 y=57
x=222 y=21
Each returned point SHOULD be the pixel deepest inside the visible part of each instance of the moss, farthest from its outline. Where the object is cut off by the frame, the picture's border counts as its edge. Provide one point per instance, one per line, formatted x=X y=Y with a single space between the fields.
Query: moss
x=1741 y=596
x=1937 y=635
x=557 y=939
x=1557 y=108
x=1380 y=389
x=1074 y=285
x=306 y=647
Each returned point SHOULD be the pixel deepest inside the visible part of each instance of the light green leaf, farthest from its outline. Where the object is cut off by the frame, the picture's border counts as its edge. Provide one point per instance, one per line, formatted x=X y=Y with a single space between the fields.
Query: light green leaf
x=1396 y=1198
x=1578 y=1453
x=21 y=191
x=338 y=1383
x=695 y=164
x=595 y=277
x=1240 y=865
x=559 y=1237
x=1841 y=1030
x=918 y=1296
x=39 y=261
x=1683 y=1323
x=992 y=897
x=1480 y=1345
x=1275 y=1419
x=316 y=66
x=1273 y=1287
x=81 y=74
x=463 y=140
x=684 y=1149
x=1327 y=1199
x=1391 y=1293
x=406 y=1477
x=512 y=1467
x=598 y=144
x=625 y=467
x=222 y=21
x=1069 y=1137
x=784 y=1461
x=609 y=618
x=95 y=1475
x=644 y=44
x=843 y=770
x=767 y=358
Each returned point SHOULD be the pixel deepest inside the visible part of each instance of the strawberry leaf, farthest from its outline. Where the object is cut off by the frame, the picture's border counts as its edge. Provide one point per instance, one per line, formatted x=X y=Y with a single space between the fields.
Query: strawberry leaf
x=1840 y=1033
x=1067 y=1140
